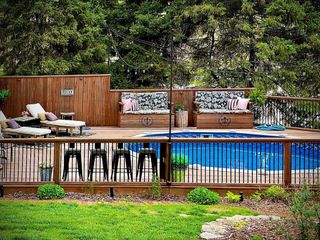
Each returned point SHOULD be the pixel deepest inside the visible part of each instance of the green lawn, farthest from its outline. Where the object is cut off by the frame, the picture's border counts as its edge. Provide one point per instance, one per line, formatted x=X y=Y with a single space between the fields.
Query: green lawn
x=56 y=220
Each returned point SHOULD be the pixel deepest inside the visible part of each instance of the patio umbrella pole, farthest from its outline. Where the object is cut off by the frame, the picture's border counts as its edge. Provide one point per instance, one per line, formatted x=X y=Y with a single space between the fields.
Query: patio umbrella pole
x=170 y=113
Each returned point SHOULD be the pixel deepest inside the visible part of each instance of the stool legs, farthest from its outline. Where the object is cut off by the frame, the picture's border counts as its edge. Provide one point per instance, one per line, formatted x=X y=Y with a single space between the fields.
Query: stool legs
x=115 y=162
x=67 y=157
x=104 y=164
x=142 y=157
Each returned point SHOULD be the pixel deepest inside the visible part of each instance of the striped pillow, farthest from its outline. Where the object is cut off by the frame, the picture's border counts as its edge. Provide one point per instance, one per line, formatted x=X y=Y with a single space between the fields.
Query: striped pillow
x=232 y=104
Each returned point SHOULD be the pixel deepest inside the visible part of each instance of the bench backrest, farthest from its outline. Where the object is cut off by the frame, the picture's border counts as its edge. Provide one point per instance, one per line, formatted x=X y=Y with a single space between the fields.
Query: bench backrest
x=148 y=100
x=216 y=99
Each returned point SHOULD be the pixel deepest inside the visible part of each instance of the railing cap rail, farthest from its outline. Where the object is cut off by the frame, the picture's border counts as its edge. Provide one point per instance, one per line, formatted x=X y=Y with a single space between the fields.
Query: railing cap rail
x=159 y=140
x=294 y=98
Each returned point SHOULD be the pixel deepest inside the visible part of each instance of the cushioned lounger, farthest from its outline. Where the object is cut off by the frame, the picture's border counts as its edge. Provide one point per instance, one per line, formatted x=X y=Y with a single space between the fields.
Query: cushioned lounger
x=36 y=108
x=24 y=131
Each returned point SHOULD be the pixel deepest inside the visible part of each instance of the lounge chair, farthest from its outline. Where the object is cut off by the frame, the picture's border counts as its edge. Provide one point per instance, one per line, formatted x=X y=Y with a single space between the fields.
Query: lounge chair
x=36 y=108
x=24 y=131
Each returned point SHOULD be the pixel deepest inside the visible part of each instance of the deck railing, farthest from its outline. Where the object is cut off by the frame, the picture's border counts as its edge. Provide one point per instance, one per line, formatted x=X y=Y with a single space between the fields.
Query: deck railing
x=290 y=112
x=250 y=162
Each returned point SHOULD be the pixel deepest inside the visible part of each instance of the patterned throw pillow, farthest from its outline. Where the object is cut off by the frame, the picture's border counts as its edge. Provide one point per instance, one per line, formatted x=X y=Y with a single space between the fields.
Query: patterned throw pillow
x=13 y=124
x=51 y=117
x=4 y=124
x=42 y=116
x=232 y=104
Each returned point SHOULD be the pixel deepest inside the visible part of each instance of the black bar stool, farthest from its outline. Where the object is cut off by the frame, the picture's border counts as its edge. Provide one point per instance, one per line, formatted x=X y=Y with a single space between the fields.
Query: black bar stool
x=70 y=153
x=117 y=154
x=145 y=152
x=98 y=152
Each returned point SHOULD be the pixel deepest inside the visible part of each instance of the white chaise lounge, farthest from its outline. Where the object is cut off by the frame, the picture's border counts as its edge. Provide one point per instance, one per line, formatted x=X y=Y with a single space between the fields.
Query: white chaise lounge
x=36 y=108
x=24 y=131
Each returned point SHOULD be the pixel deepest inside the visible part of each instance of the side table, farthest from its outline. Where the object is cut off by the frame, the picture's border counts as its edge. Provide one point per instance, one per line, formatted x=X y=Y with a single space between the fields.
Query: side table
x=67 y=115
x=27 y=121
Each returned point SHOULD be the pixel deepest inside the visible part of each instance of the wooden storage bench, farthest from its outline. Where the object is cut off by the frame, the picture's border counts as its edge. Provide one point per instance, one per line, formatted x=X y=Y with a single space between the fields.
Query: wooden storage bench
x=150 y=110
x=227 y=120
x=211 y=110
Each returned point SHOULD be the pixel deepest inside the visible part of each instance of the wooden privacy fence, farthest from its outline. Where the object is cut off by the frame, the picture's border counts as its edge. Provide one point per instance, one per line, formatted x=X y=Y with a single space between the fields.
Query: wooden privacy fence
x=86 y=95
x=216 y=163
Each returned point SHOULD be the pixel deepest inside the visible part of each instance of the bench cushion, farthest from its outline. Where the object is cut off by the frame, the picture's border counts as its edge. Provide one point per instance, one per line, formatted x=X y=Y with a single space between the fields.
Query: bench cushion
x=166 y=111
x=216 y=99
x=222 y=111
x=148 y=101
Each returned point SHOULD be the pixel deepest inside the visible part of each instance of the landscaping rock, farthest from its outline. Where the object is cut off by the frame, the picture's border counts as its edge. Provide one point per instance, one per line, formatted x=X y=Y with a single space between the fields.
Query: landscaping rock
x=223 y=227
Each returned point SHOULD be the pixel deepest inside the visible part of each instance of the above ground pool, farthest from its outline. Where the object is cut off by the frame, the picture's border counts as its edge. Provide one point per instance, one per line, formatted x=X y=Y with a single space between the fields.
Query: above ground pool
x=267 y=156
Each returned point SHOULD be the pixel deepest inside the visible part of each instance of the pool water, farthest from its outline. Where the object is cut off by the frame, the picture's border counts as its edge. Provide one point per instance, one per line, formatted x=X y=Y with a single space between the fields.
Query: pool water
x=249 y=156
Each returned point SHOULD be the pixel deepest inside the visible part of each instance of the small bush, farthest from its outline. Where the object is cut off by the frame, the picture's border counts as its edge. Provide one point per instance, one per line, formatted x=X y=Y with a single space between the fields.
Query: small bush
x=203 y=196
x=234 y=198
x=305 y=208
x=257 y=238
x=257 y=196
x=50 y=191
x=276 y=193
x=155 y=190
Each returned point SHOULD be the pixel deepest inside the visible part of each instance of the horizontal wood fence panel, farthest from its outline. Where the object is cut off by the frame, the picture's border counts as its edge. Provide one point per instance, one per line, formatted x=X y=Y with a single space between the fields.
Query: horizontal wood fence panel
x=89 y=101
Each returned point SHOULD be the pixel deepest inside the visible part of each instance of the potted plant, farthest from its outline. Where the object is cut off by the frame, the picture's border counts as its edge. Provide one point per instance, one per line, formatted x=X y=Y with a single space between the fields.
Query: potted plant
x=179 y=165
x=45 y=171
x=181 y=116
x=4 y=93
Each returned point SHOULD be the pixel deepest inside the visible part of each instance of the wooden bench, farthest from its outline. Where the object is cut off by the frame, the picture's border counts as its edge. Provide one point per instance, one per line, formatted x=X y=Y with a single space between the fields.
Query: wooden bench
x=211 y=111
x=152 y=110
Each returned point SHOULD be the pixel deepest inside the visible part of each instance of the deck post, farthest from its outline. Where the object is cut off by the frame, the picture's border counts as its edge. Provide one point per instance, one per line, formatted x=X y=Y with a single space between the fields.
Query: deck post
x=287 y=163
x=163 y=155
x=168 y=163
x=56 y=163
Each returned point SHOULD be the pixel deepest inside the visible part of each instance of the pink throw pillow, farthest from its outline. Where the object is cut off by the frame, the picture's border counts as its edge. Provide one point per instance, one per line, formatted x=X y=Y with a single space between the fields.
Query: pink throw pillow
x=13 y=124
x=243 y=103
x=51 y=117
x=127 y=105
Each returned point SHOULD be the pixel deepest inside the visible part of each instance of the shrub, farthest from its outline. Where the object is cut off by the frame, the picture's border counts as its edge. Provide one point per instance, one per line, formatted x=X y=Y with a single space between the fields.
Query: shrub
x=276 y=193
x=203 y=196
x=234 y=198
x=50 y=191
x=257 y=196
x=306 y=210
x=179 y=162
x=155 y=190
x=257 y=238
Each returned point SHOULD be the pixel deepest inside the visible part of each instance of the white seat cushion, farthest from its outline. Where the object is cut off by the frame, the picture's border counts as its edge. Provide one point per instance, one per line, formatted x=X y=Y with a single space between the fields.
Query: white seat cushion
x=27 y=131
x=64 y=123
x=222 y=111
x=35 y=109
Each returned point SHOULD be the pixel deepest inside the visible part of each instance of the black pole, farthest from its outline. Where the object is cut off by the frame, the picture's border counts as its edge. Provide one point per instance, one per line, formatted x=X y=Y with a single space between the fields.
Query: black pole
x=170 y=113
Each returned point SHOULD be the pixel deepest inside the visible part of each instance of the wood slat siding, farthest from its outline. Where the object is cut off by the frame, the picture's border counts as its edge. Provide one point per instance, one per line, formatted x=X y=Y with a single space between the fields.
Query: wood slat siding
x=89 y=102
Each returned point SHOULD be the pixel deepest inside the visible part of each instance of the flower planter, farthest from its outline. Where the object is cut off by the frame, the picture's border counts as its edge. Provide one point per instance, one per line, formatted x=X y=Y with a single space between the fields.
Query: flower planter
x=182 y=119
x=45 y=174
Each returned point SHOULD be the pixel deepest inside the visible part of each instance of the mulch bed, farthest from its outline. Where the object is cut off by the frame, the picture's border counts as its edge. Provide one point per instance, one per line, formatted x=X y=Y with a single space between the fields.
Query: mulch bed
x=286 y=228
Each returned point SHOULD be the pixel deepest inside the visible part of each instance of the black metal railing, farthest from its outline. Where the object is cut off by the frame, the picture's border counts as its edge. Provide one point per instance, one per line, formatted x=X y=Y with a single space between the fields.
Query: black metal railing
x=289 y=112
x=193 y=161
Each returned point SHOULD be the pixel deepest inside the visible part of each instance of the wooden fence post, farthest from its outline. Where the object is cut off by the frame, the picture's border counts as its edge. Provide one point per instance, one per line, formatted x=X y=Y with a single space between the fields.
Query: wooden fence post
x=56 y=163
x=168 y=162
x=287 y=163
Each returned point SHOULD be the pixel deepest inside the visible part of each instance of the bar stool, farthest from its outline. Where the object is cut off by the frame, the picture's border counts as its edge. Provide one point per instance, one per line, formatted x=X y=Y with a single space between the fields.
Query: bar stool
x=117 y=154
x=98 y=152
x=145 y=152
x=70 y=153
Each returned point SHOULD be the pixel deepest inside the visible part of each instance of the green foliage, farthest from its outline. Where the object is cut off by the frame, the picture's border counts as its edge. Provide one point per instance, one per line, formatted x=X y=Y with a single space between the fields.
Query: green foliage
x=258 y=97
x=257 y=238
x=203 y=196
x=179 y=161
x=234 y=198
x=52 y=37
x=305 y=208
x=155 y=190
x=276 y=193
x=257 y=196
x=179 y=107
x=50 y=191
x=4 y=93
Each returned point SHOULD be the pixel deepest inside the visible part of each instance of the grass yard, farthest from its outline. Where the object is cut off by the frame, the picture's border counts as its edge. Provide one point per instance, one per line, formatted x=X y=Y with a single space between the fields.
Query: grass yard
x=60 y=220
